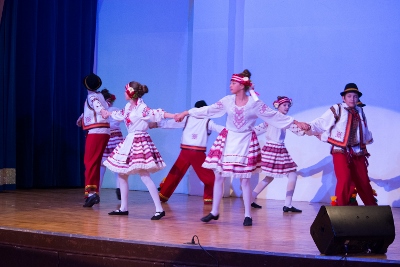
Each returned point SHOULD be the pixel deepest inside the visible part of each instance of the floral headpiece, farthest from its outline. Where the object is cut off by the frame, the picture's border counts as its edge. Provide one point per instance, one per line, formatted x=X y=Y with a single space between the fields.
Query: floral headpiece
x=281 y=101
x=111 y=99
x=130 y=91
x=242 y=80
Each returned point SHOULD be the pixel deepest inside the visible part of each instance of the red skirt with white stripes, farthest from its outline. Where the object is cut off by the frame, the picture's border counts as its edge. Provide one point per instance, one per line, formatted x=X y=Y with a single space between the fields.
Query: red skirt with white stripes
x=143 y=155
x=276 y=161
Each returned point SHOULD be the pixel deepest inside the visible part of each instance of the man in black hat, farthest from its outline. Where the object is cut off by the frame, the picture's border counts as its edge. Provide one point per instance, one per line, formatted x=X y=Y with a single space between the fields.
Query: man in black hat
x=96 y=139
x=344 y=126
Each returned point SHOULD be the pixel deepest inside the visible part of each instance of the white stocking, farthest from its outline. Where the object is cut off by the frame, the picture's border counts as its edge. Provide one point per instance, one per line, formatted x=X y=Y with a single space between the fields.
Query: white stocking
x=217 y=193
x=245 y=183
x=145 y=176
x=260 y=187
x=124 y=186
x=292 y=179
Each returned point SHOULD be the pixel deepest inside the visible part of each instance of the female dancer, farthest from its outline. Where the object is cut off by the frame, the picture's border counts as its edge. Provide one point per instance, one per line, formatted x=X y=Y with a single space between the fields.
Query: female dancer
x=275 y=159
x=115 y=138
x=137 y=154
x=236 y=151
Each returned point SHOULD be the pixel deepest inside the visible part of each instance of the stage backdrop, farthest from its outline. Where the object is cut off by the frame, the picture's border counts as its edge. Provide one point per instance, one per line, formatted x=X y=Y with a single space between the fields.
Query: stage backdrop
x=185 y=51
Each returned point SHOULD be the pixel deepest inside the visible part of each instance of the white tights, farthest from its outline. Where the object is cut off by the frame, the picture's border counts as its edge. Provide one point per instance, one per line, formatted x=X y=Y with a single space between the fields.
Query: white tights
x=218 y=193
x=124 y=186
x=292 y=179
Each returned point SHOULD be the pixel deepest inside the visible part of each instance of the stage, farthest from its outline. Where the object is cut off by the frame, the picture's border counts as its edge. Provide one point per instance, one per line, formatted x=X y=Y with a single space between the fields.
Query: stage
x=51 y=228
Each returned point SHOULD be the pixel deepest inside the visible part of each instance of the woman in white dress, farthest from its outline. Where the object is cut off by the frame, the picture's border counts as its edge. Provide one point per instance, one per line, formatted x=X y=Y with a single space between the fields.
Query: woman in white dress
x=236 y=151
x=275 y=159
x=137 y=154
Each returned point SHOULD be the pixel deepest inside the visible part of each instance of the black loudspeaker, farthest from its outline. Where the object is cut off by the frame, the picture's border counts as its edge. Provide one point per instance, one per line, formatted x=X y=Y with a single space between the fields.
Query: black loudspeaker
x=353 y=229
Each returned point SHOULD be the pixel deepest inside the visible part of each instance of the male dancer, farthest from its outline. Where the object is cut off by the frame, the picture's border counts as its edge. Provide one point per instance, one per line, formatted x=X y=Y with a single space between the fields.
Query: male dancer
x=345 y=127
x=193 y=146
x=96 y=139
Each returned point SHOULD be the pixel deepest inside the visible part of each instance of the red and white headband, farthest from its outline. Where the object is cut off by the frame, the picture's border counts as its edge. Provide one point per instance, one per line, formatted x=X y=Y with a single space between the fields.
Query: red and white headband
x=281 y=101
x=242 y=80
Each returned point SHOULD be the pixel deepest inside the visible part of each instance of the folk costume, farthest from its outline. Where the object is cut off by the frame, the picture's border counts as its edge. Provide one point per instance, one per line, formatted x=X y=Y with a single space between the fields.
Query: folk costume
x=96 y=139
x=275 y=159
x=346 y=129
x=193 y=147
x=236 y=151
x=137 y=154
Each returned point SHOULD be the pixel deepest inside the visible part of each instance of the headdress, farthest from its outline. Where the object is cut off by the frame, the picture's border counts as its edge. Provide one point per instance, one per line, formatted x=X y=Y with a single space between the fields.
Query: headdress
x=92 y=82
x=130 y=91
x=281 y=101
x=351 y=87
x=241 y=79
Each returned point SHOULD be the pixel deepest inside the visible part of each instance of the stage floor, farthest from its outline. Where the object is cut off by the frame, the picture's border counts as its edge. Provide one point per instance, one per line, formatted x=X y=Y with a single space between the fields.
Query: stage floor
x=60 y=211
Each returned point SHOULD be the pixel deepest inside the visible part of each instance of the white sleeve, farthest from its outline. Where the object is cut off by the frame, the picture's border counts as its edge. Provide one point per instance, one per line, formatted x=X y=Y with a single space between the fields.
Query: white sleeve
x=212 y=126
x=322 y=124
x=171 y=124
x=272 y=117
x=97 y=106
x=296 y=130
x=118 y=115
x=212 y=111
x=261 y=128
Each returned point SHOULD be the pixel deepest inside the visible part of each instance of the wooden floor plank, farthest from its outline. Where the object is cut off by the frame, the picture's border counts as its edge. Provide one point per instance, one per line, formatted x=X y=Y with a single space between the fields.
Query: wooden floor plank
x=61 y=211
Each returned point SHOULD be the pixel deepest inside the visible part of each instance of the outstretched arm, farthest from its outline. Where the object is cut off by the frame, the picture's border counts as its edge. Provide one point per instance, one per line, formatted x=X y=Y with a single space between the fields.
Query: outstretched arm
x=180 y=116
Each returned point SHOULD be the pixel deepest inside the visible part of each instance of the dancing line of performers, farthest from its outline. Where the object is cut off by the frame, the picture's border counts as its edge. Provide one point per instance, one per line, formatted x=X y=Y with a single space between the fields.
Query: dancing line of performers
x=235 y=153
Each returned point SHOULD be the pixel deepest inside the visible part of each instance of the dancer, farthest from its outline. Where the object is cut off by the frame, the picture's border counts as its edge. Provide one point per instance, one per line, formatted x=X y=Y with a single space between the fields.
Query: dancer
x=137 y=154
x=193 y=146
x=275 y=159
x=345 y=127
x=96 y=139
x=236 y=151
x=115 y=138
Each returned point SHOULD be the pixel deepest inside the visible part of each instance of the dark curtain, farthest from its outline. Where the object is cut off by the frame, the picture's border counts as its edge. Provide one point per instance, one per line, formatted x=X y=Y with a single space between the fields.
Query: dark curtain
x=47 y=49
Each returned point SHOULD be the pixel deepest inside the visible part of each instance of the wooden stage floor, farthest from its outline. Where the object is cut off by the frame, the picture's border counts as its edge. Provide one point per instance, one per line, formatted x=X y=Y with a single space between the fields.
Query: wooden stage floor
x=60 y=212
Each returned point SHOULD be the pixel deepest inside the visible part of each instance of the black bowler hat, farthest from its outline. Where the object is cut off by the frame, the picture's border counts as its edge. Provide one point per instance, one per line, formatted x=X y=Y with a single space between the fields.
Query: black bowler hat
x=92 y=82
x=200 y=104
x=351 y=88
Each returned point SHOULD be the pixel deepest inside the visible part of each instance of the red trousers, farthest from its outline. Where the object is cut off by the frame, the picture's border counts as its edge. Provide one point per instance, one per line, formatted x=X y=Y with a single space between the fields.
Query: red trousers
x=352 y=171
x=94 y=148
x=186 y=158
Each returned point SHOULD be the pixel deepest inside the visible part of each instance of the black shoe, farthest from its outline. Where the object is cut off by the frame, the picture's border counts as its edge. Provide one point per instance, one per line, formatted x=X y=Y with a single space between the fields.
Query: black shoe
x=158 y=215
x=209 y=217
x=118 y=193
x=118 y=212
x=248 y=221
x=292 y=209
x=255 y=205
x=90 y=201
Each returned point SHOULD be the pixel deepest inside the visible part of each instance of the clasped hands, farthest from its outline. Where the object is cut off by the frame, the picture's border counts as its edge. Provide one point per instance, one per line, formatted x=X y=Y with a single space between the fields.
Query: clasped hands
x=303 y=125
x=178 y=117
x=105 y=114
